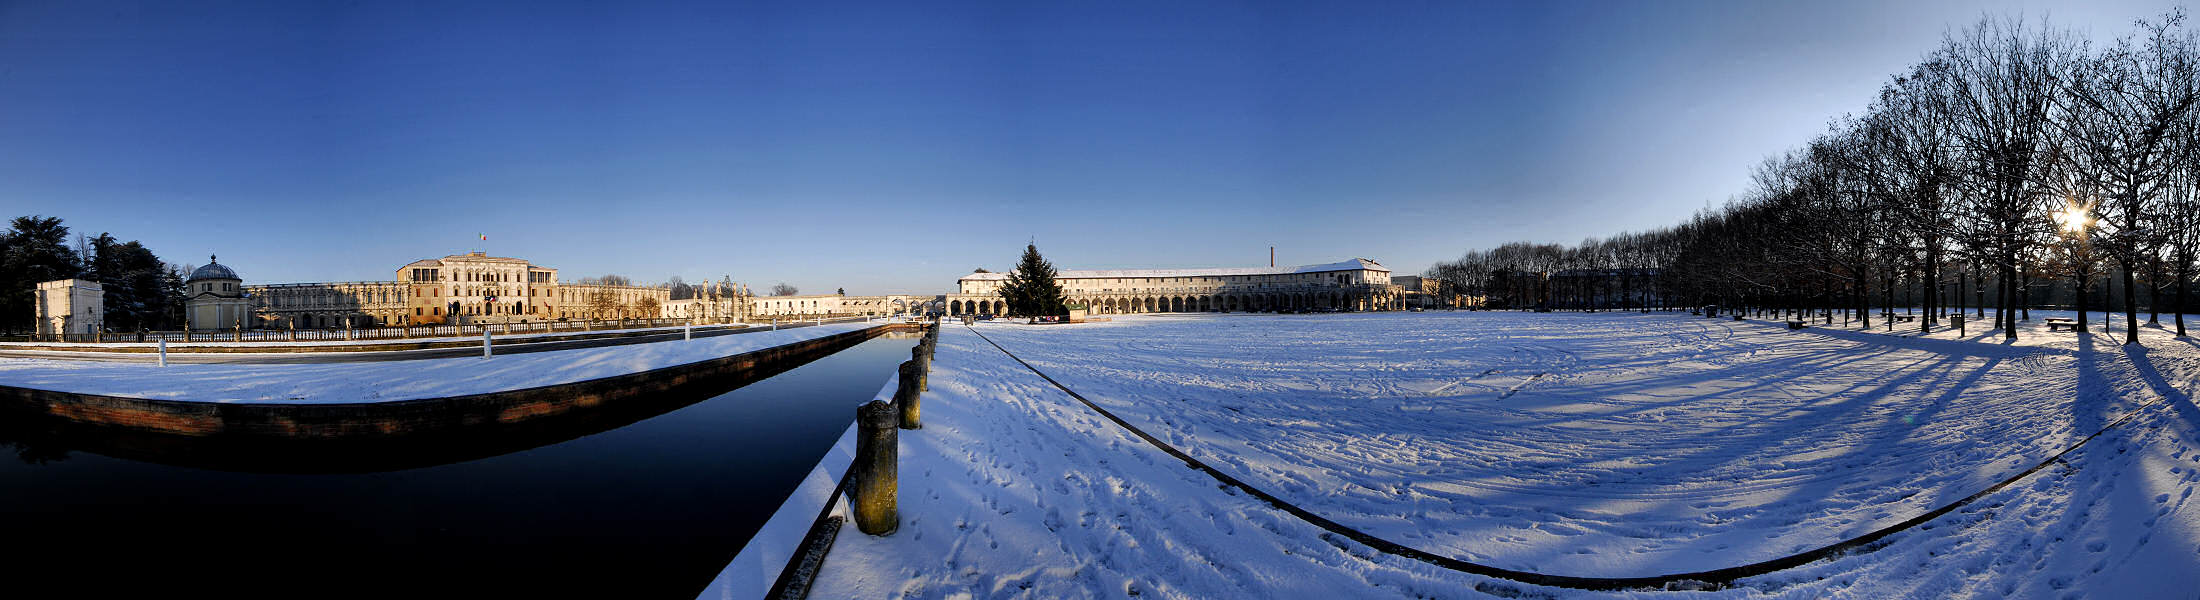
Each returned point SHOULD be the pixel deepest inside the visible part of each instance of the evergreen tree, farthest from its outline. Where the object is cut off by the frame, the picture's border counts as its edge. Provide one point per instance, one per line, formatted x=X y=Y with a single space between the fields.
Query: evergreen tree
x=1031 y=290
x=33 y=250
x=134 y=279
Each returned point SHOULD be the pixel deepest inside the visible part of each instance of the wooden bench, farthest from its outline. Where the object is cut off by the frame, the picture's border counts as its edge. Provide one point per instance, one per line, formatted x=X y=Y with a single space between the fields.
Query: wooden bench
x=2059 y=323
x=1903 y=318
x=1796 y=325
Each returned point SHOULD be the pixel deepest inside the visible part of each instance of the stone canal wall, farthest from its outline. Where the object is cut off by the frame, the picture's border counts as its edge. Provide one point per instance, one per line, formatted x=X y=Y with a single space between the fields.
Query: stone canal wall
x=423 y=416
x=265 y=347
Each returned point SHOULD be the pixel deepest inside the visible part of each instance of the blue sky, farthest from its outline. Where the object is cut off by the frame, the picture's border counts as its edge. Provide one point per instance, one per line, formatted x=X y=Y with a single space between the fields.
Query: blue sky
x=895 y=147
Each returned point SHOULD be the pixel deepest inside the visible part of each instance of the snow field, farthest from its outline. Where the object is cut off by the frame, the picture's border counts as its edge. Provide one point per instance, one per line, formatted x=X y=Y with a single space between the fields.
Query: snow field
x=1568 y=444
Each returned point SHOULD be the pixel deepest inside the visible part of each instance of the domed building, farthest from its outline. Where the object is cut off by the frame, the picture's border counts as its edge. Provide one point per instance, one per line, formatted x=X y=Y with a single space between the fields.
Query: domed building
x=214 y=298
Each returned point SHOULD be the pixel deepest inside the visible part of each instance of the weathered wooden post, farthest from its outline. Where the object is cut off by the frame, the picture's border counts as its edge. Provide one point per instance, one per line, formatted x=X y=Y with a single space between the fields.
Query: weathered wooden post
x=924 y=367
x=873 y=477
x=906 y=397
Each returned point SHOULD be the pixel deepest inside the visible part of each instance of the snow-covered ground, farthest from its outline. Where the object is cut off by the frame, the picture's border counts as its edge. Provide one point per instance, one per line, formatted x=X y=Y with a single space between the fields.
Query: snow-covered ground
x=385 y=381
x=1567 y=444
x=498 y=337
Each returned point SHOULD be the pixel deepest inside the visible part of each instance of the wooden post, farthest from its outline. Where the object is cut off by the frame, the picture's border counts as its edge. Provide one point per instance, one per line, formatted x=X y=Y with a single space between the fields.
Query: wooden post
x=873 y=477
x=924 y=367
x=906 y=396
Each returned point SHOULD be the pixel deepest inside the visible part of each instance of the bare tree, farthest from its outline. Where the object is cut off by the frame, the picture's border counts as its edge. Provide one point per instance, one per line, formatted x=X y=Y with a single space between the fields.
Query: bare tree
x=603 y=303
x=782 y=289
x=2125 y=105
x=2001 y=98
x=1989 y=161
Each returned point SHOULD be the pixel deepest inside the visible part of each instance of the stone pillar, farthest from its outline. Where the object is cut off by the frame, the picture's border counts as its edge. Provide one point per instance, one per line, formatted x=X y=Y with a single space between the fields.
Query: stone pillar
x=907 y=399
x=917 y=354
x=873 y=477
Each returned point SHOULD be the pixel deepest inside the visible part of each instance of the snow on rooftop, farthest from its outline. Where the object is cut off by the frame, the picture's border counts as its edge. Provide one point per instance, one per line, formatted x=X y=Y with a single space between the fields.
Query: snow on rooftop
x=1357 y=264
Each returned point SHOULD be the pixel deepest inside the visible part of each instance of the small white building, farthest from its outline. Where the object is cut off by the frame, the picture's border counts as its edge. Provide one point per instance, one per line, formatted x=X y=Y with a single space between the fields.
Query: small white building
x=70 y=307
x=831 y=305
x=214 y=299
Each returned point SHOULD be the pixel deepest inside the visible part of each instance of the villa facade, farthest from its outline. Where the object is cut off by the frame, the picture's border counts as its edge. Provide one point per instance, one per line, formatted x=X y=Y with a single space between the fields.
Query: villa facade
x=1357 y=284
x=475 y=288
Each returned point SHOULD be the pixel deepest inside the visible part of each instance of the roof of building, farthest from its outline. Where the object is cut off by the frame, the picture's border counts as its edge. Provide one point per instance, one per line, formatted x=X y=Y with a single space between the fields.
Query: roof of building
x=473 y=257
x=213 y=270
x=1357 y=264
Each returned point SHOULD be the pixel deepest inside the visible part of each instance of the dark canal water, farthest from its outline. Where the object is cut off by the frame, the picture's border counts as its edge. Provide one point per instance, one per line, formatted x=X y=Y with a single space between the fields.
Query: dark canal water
x=610 y=508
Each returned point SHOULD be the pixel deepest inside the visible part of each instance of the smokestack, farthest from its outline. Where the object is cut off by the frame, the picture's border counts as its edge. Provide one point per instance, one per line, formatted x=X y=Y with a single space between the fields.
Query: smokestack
x=1271 y=257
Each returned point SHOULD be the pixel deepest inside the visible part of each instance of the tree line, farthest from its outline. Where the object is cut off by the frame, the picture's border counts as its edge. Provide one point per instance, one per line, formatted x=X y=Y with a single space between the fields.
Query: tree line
x=141 y=292
x=2016 y=165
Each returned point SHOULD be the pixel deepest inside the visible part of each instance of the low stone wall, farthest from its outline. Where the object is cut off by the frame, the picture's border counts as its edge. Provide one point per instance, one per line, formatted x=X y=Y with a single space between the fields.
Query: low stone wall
x=393 y=346
x=419 y=417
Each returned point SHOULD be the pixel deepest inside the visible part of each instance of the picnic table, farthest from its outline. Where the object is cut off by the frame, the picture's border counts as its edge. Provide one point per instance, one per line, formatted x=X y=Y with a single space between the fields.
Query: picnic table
x=1903 y=318
x=2057 y=323
x=1796 y=325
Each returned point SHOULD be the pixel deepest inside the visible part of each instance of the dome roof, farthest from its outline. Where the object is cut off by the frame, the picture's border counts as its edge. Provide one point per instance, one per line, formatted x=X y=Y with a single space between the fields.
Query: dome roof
x=213 y=270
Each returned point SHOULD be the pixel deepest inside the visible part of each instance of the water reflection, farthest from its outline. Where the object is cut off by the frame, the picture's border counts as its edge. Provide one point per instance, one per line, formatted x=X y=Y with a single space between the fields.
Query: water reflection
x=646 y=501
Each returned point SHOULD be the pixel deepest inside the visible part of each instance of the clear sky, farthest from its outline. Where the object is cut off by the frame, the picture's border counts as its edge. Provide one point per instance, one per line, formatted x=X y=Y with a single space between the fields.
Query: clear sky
x=893 y=148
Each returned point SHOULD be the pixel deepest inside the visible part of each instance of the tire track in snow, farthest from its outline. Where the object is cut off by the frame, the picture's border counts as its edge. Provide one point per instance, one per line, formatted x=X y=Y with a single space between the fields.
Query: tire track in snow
x=1516 y=387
